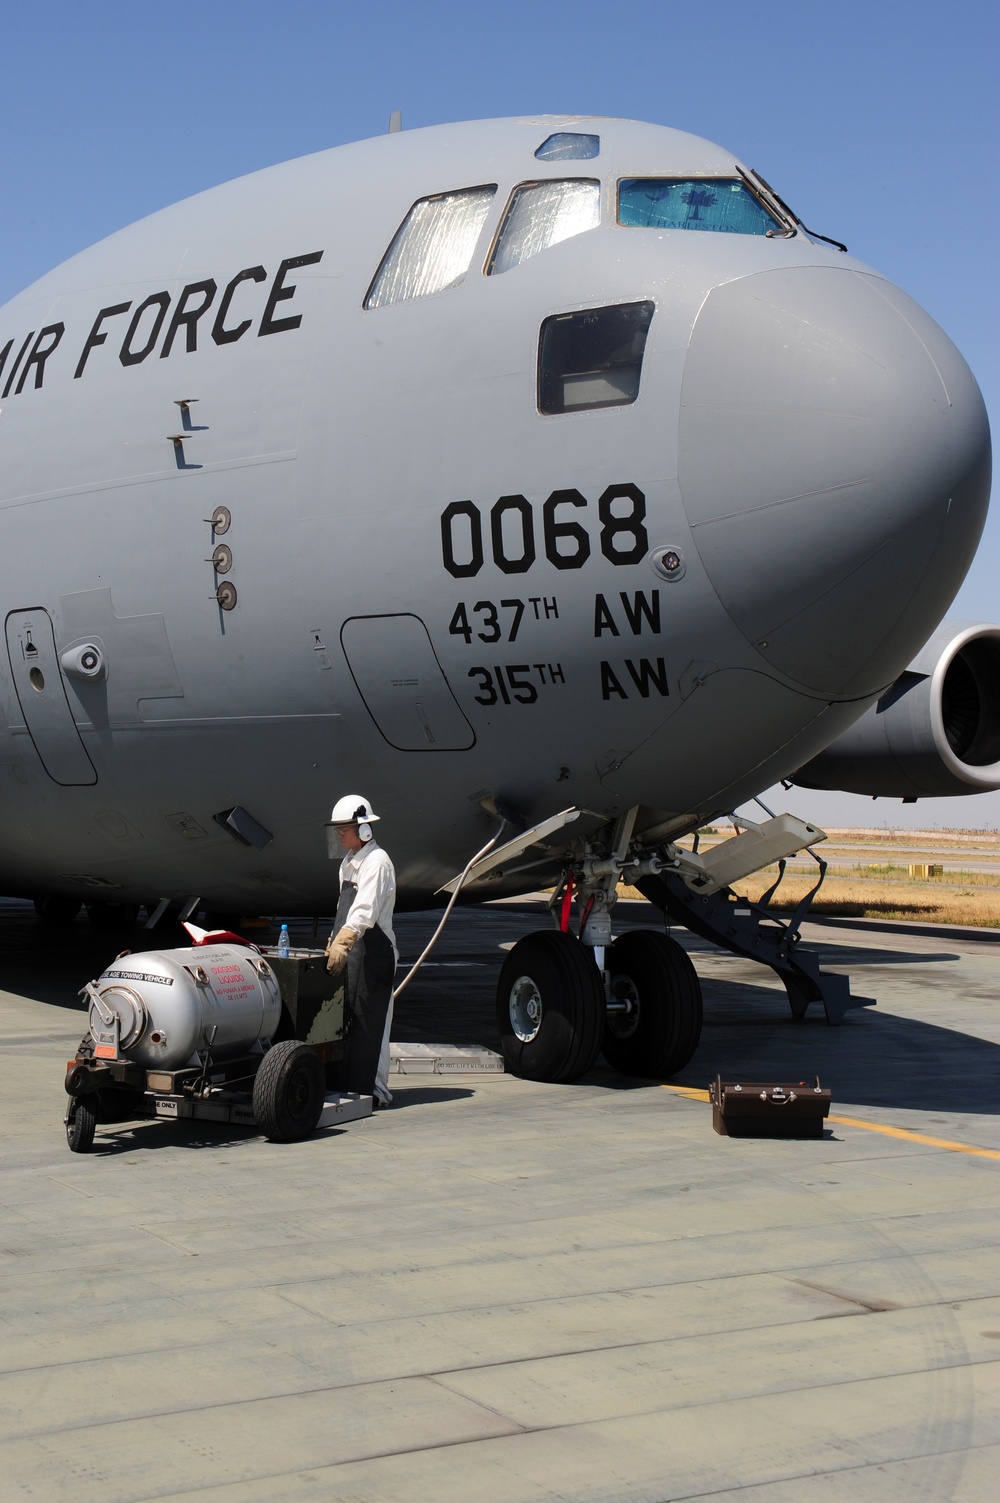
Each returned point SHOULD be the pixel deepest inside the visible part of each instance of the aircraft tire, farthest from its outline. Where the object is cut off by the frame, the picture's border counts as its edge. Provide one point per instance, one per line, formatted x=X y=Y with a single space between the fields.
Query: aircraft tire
x=289 y=1090
x=659 y=1037
x=81 y=1126
x=550 y=1008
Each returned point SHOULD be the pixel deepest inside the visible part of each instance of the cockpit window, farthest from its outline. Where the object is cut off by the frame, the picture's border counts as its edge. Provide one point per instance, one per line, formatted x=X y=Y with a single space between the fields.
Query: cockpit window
x=433 y=247
x=592 y=359
x=568 y=145
x=543 y=214
x=693 y=203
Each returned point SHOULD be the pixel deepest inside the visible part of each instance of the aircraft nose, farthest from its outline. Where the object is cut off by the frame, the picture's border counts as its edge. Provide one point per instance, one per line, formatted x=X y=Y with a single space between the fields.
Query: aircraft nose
x=834 y=463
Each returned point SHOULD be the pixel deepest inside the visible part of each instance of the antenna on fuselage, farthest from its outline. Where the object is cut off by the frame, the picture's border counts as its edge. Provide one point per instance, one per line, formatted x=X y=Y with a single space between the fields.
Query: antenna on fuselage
x=395 y=122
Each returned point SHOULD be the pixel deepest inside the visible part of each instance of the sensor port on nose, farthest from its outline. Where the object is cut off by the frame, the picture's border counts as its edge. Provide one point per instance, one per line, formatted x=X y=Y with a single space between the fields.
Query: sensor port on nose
x=85 y=661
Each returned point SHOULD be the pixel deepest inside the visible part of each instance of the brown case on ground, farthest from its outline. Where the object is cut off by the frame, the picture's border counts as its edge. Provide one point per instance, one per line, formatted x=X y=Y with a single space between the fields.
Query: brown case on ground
x=765 y=1109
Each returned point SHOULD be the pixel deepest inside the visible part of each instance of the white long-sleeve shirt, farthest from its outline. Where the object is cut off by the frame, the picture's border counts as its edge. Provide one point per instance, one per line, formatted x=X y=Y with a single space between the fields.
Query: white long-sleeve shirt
x=375 y=877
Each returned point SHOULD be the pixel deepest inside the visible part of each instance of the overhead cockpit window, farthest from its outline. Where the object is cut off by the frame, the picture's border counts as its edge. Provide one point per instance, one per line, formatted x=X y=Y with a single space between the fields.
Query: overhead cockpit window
x=543 y=214
x=433 y=247
x=568 y=146
x=592 y=359
x=693 y=203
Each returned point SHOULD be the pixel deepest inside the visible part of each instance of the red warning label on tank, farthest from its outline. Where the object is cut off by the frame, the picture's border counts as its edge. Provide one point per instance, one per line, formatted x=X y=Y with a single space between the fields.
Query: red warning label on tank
x=230 y=981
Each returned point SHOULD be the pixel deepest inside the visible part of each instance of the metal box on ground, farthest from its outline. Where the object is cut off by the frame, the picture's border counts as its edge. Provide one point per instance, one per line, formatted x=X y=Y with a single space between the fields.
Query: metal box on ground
x=443 y=1059
x=344 y=1106
x=765 y=1109
x=221 y=1106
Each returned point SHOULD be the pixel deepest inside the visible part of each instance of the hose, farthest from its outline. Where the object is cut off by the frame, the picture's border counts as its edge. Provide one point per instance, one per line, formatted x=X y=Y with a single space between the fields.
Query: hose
x=444 y=917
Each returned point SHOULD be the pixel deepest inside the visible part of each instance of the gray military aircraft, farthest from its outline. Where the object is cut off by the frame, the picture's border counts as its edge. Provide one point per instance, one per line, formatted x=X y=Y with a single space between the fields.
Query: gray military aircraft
x=541 y=469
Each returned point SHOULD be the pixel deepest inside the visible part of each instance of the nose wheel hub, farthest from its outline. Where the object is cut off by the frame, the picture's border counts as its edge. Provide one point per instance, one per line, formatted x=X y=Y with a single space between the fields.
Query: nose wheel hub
x=623 y=1007
x=525 y=1009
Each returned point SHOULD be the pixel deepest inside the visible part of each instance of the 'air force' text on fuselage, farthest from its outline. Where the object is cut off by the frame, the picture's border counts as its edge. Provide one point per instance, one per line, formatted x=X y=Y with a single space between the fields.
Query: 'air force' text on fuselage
x=234 y=317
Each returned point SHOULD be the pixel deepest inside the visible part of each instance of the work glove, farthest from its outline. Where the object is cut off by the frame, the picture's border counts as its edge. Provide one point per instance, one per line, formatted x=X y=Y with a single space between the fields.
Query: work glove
x=338 y=947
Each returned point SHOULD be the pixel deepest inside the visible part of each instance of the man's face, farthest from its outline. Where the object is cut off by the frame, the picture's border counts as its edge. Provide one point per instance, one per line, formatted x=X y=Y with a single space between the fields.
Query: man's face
x=349 y=838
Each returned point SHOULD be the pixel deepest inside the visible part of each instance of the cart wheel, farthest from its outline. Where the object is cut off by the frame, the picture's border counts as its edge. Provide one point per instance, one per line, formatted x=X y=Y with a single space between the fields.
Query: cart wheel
x=289 y=1091
x=81 y=1126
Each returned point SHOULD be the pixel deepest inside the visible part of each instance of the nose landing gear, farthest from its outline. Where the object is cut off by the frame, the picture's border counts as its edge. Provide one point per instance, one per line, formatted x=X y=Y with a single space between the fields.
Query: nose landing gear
x=561 y=1000
x=555 y=1016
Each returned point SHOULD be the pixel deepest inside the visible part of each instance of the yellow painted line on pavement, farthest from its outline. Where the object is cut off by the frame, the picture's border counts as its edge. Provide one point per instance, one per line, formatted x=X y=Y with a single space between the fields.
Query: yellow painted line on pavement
x=692 y=1093
x=917 y=1137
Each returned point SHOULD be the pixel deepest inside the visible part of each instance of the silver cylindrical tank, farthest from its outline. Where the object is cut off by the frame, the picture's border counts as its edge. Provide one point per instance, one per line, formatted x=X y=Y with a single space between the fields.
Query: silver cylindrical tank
x=169 y=1001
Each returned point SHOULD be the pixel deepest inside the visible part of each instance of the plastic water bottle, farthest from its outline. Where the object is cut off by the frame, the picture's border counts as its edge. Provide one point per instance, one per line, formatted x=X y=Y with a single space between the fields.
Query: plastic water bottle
x=284 y=943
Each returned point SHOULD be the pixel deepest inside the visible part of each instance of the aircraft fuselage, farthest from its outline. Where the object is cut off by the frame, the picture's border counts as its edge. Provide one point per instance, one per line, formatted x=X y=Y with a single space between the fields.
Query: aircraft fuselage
x=321 y=546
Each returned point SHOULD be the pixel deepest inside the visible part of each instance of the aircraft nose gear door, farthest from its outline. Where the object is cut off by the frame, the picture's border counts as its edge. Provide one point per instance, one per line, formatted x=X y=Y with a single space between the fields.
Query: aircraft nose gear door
x=31 y=647
x=395 y=667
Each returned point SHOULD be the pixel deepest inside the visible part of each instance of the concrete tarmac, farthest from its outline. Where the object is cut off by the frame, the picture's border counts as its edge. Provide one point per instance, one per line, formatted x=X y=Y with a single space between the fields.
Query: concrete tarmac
x=500 y=1291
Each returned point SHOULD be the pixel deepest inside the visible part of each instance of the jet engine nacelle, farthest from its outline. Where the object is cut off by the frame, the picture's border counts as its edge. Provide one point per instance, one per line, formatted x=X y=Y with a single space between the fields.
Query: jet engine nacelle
x=934 y=733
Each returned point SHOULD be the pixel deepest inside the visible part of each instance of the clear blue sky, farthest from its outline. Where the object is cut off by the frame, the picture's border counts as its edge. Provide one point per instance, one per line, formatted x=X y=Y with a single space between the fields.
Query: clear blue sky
x=876 y=121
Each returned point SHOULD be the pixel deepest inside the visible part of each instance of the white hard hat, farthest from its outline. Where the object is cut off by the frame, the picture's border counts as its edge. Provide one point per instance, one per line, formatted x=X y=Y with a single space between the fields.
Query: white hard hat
x=352 y=809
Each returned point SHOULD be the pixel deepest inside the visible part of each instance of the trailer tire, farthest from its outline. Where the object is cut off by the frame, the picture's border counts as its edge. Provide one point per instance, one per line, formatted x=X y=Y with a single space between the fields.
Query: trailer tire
x=661 y=1032
x=289 y=1090
x=81 y=1126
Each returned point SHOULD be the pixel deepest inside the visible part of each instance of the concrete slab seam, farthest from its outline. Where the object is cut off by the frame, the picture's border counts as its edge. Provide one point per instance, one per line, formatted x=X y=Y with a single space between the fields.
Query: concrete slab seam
x=844 y=1471
x=515 y=1427
x=317 y=1472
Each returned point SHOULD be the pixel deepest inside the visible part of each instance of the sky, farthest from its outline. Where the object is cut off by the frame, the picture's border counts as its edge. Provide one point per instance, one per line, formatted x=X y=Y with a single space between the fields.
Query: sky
x=877 y=122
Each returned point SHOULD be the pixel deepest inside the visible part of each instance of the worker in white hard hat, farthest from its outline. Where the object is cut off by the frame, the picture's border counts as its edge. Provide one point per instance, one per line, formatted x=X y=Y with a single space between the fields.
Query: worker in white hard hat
x=363 y=944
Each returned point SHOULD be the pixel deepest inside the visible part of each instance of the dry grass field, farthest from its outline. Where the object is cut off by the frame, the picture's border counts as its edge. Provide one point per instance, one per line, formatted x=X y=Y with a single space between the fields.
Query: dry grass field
x=908 y=840
x=874 y=893
x=868 y=876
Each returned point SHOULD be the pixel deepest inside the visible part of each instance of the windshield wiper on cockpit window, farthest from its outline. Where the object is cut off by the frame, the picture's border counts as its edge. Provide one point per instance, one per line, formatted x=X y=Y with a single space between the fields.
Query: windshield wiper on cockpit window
x=766 y=194
x=754 y=179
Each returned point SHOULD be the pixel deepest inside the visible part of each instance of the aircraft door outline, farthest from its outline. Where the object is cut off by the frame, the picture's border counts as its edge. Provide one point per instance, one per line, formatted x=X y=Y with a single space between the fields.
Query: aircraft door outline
x=41 y=694
x=402 y=684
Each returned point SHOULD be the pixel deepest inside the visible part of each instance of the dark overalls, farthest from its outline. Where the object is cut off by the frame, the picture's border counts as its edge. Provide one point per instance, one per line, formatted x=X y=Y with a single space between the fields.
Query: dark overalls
x=371 y=967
